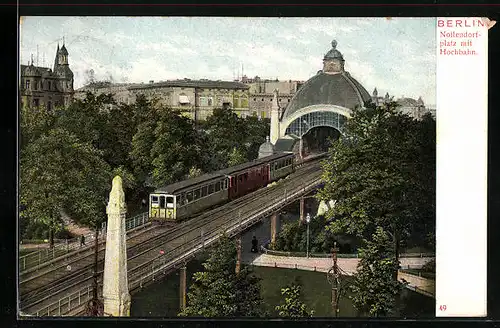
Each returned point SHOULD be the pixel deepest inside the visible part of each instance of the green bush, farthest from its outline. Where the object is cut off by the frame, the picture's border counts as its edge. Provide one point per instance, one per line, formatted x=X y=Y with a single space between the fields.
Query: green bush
x=293 y=238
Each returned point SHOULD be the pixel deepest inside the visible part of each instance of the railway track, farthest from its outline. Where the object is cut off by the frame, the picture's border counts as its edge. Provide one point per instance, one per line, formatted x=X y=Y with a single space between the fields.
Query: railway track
x=146 y=246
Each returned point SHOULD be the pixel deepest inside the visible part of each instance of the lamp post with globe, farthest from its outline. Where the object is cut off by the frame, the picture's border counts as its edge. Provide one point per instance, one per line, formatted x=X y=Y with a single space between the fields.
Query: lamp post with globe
x=308 y=219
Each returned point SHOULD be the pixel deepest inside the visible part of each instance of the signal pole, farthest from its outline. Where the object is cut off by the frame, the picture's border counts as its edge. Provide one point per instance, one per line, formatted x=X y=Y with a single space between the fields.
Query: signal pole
x=333 y=279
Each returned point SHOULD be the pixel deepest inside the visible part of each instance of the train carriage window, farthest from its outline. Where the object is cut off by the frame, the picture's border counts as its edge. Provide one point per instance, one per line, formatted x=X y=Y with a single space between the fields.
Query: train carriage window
x=211 y=189
x=162 y=201
x=246 y=176
x=154 y=201
x=204 y=191
x=170 y=201
x=189 y=197
x=181 y=200
x=196 y=194
x=225 y=184
x=217 y=186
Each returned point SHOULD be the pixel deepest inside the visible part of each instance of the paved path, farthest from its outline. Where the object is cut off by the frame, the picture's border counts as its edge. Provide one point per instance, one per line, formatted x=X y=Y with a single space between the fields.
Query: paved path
x=348 y=265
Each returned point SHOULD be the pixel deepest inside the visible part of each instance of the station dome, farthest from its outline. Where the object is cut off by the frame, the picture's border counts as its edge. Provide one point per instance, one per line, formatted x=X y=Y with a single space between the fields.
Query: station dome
x=330 y=86
x=329 y=89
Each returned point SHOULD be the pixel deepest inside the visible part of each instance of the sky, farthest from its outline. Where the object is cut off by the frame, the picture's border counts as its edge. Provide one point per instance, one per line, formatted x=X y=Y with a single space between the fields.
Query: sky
x=395 y=55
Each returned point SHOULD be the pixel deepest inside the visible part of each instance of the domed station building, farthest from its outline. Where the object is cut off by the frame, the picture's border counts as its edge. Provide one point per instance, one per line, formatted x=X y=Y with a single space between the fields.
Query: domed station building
x=319 y=109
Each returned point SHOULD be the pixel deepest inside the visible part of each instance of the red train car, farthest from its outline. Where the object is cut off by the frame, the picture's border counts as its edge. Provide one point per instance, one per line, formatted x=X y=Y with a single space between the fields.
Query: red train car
x=249 y=177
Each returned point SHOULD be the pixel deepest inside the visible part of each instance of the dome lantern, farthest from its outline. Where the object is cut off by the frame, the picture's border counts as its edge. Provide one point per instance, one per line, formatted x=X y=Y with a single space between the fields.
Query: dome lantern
x=333 y=62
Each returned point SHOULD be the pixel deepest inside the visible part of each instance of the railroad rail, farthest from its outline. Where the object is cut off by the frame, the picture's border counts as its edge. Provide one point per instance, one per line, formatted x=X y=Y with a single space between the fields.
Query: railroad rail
x=147 y=263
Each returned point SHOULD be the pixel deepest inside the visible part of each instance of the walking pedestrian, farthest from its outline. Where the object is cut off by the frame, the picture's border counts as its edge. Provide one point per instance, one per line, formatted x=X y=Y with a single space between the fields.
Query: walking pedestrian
x=82 y=240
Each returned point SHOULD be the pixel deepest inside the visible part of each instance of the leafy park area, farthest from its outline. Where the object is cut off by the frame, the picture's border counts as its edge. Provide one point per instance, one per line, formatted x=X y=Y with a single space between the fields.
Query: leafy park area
x=68 y=156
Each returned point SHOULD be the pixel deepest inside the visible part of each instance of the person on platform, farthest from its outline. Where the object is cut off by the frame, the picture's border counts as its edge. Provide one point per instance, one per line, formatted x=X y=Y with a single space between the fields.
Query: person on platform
x=255 y=245
x=82 y=240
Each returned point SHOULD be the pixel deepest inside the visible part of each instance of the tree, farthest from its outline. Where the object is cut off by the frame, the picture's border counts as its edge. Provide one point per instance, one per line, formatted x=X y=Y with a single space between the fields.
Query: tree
x=381 y=173
x=293 y=306
x=174 y=149
x=117 y=135
x=220 y=292
x=194 y=172
x=59 y=172
x=226 y=131
x=164 y=146
x=374 y=290
x=257 y=131
x=34 y=122
x=88 y=120
x=236 y=157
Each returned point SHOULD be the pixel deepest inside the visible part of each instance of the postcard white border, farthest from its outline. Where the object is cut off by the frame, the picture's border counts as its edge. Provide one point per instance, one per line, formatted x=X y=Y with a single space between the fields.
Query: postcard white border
x=461 y=217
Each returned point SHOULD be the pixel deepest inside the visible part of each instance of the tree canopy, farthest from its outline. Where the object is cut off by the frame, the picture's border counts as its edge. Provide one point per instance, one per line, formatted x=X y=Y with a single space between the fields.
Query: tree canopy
x=374 y=289
x=59 y=172
x=292 y=306
x=219 y=291
x=381 y=173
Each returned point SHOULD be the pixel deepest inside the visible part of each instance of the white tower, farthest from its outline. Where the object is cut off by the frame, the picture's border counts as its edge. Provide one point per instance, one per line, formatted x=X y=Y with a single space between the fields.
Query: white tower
x=115 y=286
x=275 y=119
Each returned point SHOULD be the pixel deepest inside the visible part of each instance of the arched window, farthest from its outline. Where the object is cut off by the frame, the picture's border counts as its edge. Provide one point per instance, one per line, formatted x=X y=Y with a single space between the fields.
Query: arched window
x=49 y=105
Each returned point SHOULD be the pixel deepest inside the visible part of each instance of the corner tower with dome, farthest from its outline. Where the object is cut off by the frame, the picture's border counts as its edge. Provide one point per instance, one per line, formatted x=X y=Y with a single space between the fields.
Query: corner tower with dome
x=319 y=109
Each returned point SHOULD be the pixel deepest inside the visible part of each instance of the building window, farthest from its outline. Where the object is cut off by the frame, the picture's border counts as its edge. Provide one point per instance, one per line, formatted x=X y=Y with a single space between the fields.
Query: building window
x=209 y=101
x=27 y=84
x=254 y=99
x=49 y=105
x=262 y=99
x=50 y=85
x=35 y=85
x=36 y=102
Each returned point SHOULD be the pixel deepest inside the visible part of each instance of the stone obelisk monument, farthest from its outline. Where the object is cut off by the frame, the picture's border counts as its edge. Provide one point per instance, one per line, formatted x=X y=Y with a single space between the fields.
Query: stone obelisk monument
x=115 y=286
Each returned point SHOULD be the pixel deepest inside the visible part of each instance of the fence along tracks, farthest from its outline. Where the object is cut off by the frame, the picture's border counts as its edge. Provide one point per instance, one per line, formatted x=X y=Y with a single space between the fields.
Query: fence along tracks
x=43 y=257
x=181 y=242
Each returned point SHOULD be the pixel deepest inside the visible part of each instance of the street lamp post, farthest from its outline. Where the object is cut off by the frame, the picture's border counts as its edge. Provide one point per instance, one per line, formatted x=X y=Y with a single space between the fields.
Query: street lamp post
x=308 y=219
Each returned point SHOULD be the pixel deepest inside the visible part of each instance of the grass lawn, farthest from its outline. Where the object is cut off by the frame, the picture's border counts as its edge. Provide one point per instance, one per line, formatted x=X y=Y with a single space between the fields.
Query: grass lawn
x=315 y=290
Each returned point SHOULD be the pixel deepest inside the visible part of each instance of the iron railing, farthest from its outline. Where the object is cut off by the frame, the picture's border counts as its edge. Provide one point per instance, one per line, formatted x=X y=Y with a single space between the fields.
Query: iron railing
x=42 y=256
x=340 y=255
x=68 y=303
